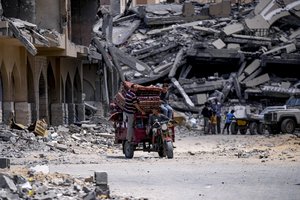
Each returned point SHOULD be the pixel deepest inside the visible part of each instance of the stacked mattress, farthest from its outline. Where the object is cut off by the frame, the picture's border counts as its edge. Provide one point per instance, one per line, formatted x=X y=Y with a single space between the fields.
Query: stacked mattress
x=148 y=96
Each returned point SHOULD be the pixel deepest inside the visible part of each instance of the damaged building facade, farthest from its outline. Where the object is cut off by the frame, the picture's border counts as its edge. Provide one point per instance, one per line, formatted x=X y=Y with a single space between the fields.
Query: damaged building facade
x=44 y=70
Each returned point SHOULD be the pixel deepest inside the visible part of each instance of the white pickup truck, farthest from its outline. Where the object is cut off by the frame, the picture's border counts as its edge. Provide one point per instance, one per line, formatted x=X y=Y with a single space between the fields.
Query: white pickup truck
x=284 y=120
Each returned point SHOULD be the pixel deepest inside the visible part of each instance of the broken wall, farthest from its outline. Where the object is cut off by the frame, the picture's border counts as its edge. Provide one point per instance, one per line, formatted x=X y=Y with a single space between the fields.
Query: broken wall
x=48 y=14
x=83 y=14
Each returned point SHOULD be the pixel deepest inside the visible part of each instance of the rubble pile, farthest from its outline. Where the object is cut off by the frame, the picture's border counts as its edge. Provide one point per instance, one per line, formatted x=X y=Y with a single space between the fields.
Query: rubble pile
x=185 y=42
x=32 y=184
x=83 y=138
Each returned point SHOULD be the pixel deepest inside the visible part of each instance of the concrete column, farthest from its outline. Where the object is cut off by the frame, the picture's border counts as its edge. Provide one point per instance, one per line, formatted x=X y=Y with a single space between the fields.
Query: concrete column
x=33 y=112
x=71 y=111
x=66 y=113
x=98 y=89
x=57 y=114
x=80 y=108
x=8 y=108
x=23 y=113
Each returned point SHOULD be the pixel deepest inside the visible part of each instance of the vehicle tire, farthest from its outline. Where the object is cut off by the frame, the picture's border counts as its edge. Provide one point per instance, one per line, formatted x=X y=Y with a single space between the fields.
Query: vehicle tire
x=253 y=128
x=169 y=149
x=288 y=126
x=243 y=130
x=123 y=146
x=234 y=128
x=260 y=128
x=161 y=152
x=128 y=149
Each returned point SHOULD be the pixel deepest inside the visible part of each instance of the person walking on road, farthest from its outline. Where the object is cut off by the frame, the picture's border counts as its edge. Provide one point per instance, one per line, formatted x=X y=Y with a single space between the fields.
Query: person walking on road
x=228 y=120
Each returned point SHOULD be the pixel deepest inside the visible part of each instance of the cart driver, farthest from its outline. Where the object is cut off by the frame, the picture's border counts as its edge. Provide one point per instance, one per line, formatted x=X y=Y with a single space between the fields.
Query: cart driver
x=156 y=116
x=131 y=105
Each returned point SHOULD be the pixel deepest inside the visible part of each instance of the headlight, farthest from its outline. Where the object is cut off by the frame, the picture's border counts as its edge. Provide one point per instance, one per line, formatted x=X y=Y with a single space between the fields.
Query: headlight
x=164 y=127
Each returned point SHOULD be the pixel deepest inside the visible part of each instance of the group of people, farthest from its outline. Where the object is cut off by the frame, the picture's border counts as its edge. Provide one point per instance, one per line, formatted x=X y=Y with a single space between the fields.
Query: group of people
x=212 y=118
x=132 y=106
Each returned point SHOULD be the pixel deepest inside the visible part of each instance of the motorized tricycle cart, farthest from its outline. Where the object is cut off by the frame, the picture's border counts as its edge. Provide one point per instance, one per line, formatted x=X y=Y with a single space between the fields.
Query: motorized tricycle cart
x=164 y=134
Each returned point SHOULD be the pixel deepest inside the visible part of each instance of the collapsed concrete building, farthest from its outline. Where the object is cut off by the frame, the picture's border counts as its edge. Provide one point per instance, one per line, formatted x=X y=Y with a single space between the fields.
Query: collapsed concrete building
x=234 y=50
x=45 y=72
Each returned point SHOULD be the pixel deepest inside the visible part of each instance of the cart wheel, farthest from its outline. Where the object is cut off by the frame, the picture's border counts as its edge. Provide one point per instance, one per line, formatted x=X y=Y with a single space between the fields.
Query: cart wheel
x=243 y=130
x=260 y=128
x=253 y=127
x=234 y=128
x=169 y=149
x=128 y=149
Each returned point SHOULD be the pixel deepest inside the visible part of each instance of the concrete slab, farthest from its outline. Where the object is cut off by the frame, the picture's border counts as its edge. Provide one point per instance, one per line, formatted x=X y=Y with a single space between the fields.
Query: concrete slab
x=258 y=80
x=252 y=67
x=257 y=22
x=234 y=46
x=233 y=28
x=219 y=44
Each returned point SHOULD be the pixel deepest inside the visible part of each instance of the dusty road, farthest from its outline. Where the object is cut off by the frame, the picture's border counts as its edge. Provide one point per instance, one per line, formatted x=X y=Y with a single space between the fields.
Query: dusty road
x=204 y=167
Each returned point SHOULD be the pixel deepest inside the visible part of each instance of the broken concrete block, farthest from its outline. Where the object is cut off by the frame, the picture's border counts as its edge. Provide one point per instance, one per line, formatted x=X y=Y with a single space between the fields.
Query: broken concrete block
x=219 y=44
x=252 y=67
x=286 y=85
x=5 y=135
x=257 y=22
x=253 y=75
x=188 y=9
x=100 y=178
x=290 y=48
x=4 y=163
x=241 y=77
x=222 y=9
x=287 y=48
x=201 y=99
x=234 y=46
x=7 y=182
x=233 y=28
x=61 y=147
x=75 y=137
x=258 y=80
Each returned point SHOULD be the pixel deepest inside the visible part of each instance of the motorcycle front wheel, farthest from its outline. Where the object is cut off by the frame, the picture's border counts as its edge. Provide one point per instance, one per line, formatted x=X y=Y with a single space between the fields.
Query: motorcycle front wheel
x=169 y=149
